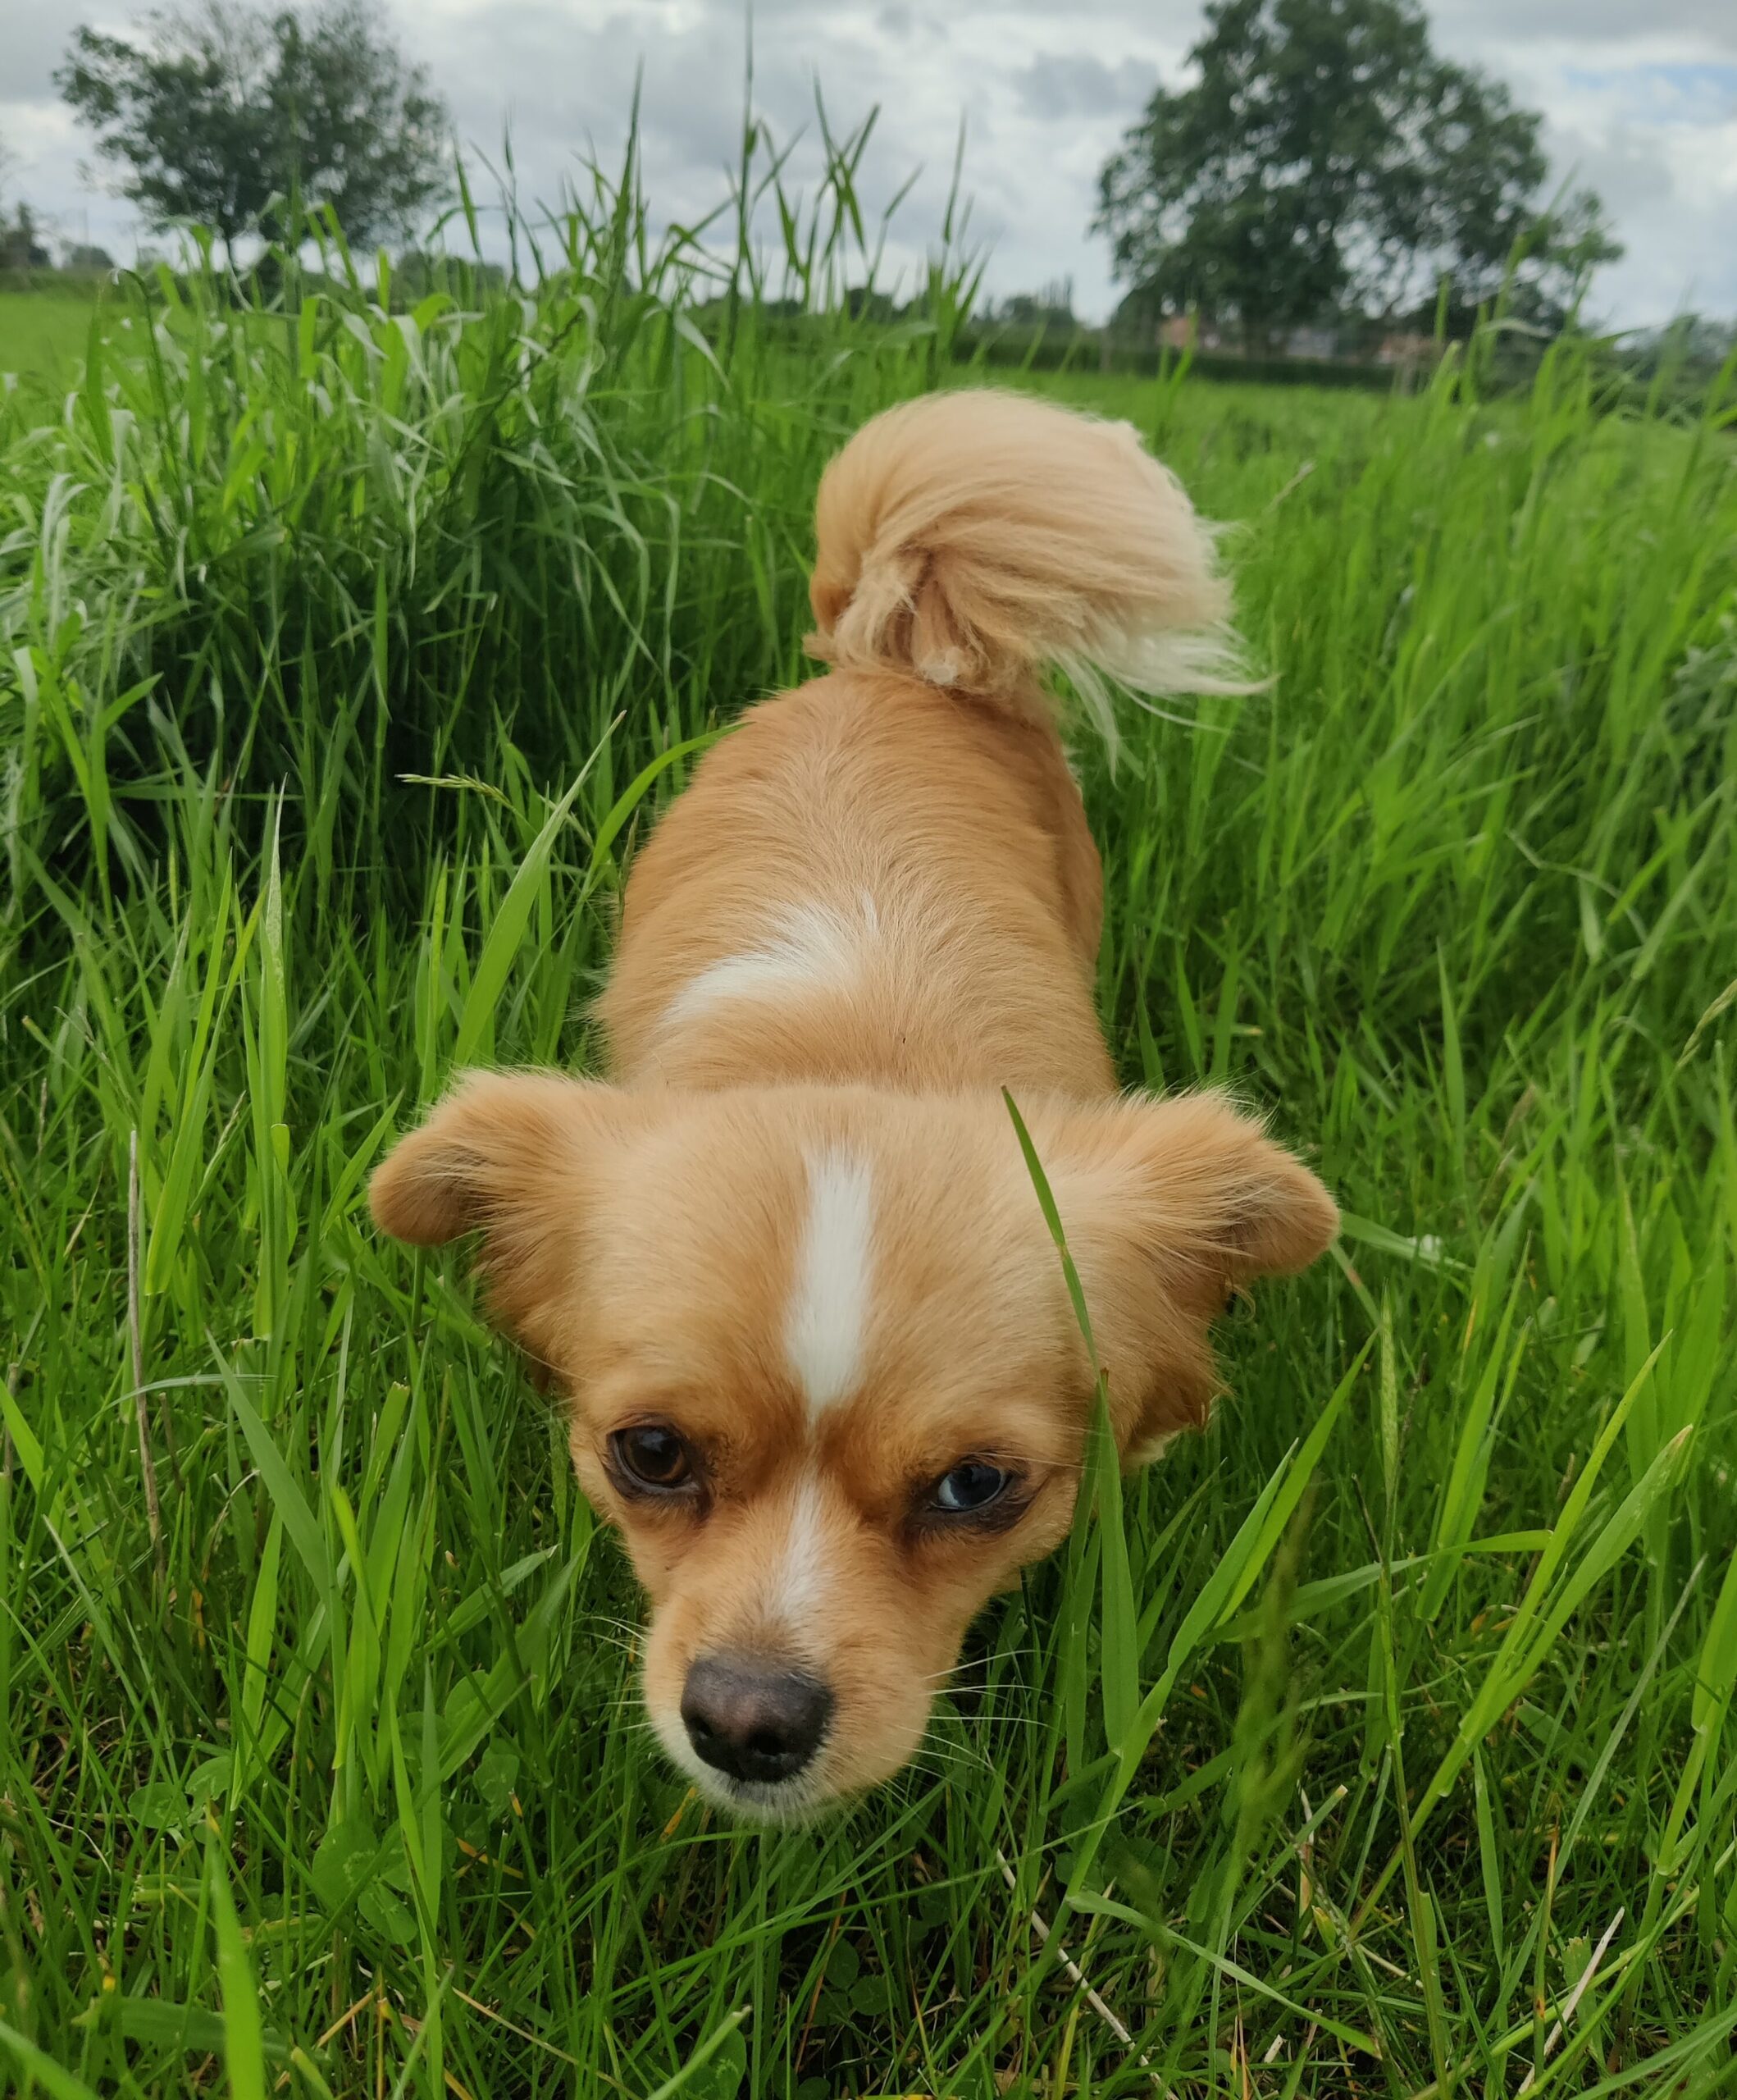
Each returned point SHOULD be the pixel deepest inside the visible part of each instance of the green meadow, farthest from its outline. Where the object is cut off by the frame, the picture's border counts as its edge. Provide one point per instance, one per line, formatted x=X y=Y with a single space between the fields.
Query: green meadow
x=43 y=336
x=1379 y=1742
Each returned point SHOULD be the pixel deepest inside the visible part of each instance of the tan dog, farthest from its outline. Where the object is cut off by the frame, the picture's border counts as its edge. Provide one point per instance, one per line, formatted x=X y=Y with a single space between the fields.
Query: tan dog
x=789 y=1267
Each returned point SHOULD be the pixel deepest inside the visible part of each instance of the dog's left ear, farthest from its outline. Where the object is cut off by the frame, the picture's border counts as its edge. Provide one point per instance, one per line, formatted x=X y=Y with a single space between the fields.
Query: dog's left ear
x=1170 y=1207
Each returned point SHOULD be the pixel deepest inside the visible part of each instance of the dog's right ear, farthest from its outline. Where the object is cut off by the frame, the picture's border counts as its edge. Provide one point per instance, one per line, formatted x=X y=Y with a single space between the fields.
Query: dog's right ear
x=514 y=1156
x=496 y=1152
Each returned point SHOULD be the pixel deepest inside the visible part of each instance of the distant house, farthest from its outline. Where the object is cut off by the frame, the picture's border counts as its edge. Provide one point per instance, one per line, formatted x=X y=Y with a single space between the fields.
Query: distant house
x=1188 y=332
x=1311 y=342
x=1406 y=347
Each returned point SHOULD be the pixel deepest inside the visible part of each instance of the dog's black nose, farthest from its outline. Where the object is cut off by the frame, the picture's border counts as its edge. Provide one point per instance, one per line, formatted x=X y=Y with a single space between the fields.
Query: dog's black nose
x=753 y=1721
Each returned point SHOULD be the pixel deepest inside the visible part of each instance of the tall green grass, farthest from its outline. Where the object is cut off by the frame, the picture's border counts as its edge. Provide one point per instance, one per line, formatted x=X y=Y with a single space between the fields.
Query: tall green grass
x=1377 y=1742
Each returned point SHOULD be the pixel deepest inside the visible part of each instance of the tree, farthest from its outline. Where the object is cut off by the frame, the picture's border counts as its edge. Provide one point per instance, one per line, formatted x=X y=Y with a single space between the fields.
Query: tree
x=1695 y=343
x=21 y=242
x=1051 y=305
x=1327 y=158
x=223 y=115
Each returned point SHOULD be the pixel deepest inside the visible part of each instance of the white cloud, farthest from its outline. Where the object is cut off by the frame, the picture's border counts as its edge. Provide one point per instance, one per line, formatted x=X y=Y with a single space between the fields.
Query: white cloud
x=1642 y=105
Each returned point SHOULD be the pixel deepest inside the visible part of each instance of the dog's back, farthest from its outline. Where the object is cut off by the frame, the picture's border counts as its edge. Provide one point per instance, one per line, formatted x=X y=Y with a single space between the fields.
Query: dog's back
x=886 y=875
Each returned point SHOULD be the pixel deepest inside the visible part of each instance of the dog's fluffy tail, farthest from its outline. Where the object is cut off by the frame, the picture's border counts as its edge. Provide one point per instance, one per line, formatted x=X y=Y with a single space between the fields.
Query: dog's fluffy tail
x=973 y=539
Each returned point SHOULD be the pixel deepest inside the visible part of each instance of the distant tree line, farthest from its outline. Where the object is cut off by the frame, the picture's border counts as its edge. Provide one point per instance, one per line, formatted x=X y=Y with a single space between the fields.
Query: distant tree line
x=1327 y=184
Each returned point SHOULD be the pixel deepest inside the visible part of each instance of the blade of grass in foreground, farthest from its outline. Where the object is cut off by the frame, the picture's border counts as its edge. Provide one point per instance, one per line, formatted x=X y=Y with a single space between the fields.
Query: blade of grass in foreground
x=243 y=2044
x=55 y=2080
x=1101 y=1479
x=1135 y=1720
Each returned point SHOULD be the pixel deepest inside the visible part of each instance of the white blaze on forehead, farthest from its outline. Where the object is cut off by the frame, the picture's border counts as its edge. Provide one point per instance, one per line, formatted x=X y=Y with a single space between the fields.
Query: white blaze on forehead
x=807 y=947
x=799 y=1572
x=828 y=1308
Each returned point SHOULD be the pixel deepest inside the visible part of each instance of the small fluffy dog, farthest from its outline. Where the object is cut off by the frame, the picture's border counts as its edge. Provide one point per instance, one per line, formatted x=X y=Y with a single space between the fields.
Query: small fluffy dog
x=788 y=1266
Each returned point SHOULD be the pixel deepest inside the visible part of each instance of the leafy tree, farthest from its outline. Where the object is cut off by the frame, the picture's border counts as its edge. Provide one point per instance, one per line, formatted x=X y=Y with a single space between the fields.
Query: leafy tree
x=20 y=244
x=1327 y=158
x=222 y=116
x=21 y=241
x=1695 y=343
x=1051 y=305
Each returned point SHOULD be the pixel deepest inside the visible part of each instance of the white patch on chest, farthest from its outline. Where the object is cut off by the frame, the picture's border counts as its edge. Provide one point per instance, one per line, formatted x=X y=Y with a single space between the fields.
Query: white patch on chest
x=807 y=947
x=829 y=1312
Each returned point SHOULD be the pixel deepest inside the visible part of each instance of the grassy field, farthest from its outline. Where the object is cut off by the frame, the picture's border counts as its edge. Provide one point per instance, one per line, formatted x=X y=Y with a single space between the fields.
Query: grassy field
x=43 y=335
x=1378 y=1742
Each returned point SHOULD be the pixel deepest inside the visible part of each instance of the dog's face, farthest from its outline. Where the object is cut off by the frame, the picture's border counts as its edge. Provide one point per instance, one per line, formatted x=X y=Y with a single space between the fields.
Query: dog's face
x=823 y=1366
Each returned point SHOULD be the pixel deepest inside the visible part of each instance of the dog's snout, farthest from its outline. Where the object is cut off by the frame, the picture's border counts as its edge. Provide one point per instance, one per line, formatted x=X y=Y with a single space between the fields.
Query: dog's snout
x=753 y=1720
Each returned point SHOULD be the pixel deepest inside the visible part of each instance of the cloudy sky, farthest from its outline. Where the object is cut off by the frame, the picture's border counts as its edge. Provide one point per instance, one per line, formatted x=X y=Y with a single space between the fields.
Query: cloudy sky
x=1639 y=100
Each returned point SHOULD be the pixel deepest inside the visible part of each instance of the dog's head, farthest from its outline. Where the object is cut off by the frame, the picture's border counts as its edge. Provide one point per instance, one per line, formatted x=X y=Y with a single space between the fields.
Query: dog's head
x=822 y=1367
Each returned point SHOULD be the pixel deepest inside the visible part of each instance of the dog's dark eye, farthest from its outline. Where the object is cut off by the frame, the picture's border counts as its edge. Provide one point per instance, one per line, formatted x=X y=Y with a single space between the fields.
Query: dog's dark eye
x=652 y=1457
x=971 y=1487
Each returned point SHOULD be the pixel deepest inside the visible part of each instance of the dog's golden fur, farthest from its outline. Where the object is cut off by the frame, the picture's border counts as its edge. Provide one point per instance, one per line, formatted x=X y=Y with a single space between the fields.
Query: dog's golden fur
x=877 y=904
